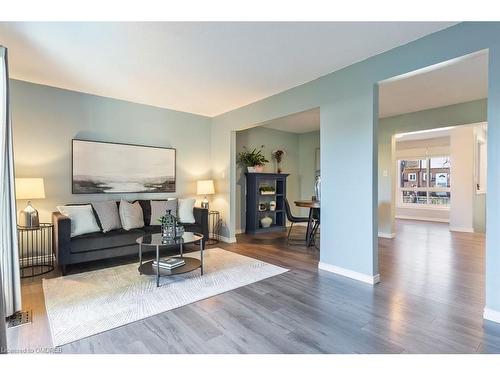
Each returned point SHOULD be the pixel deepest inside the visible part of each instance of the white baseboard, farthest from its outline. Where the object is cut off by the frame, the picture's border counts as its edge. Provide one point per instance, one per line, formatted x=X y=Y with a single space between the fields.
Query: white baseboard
x=422 y=218
x=492 y=315
x=462 y=229
x=372 y=280
x=386 y=235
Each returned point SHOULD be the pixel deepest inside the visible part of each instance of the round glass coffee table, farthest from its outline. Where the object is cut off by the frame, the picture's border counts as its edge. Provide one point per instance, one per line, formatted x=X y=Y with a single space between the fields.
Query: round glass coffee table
x=156 y=240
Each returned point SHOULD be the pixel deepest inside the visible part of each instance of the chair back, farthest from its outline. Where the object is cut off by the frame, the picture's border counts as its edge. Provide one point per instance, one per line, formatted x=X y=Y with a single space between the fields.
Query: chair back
x=288 y=211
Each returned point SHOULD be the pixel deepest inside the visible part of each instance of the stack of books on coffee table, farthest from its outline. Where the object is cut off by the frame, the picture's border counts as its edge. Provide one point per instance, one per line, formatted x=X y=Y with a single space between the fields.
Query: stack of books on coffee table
x=169 y=264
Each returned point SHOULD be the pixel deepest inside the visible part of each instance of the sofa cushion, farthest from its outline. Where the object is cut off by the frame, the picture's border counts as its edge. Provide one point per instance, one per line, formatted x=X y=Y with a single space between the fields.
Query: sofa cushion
x=107 y=213
x=131 y=215
x=160 y=208
x=98 y=241
x=82 y=219
x=150 y=229
x=185 y=210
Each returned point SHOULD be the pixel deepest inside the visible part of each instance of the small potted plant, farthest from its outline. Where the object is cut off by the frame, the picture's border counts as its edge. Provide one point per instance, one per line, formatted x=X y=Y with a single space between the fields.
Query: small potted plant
x=267 y=190
x=278 y=156
x=253 y=160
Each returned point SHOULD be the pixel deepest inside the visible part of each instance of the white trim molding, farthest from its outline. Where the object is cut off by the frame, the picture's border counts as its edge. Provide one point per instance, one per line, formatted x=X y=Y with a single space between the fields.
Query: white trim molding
x=462 y=229
x=422 y=218
x=372 y=280
x=490 y=314
x=386 y=235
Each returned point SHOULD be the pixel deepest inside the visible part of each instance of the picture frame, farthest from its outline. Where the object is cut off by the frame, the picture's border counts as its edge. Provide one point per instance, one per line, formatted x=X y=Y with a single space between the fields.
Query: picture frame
x=99 y=167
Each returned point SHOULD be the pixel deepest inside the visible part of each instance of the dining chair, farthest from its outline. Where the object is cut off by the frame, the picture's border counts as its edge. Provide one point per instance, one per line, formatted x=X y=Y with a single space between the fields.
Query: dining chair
x=292 y=219
x=315 y=230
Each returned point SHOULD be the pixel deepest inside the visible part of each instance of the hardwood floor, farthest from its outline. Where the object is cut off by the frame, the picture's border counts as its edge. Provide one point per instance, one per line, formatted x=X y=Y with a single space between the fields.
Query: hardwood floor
x=430 y=300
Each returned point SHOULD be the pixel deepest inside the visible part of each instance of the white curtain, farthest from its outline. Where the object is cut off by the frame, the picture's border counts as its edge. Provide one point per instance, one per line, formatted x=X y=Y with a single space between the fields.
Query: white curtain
x=9 y=256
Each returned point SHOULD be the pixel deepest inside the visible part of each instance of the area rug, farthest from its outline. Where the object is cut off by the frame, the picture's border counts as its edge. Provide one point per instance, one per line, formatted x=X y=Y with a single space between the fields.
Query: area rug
x=88 y=303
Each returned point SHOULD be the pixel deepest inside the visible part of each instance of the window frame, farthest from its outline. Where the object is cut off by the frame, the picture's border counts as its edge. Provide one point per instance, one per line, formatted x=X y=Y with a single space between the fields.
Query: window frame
x=428 y=189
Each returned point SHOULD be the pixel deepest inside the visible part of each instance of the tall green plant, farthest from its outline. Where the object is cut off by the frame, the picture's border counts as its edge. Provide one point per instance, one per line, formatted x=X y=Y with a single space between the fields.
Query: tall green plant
x=251 y=158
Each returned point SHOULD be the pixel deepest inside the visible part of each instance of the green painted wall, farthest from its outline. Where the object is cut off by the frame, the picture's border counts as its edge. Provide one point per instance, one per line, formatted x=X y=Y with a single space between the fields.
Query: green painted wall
x=348 y=101
x=458 y=114
x=45 y=119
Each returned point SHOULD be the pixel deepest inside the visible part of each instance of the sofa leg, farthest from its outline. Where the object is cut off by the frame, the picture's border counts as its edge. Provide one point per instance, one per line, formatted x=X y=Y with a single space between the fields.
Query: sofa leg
x=63 y=270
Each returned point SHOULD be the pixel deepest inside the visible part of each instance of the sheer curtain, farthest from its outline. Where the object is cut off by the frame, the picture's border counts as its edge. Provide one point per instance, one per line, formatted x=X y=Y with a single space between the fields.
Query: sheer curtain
x=9 y=256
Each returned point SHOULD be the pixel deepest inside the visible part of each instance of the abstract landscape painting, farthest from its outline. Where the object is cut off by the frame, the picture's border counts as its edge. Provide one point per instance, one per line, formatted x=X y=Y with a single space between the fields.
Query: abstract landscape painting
x=101 y=167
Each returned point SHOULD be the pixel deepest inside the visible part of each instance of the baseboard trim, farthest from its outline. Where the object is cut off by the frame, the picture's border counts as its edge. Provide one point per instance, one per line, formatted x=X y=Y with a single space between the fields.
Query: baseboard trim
x=421 y=218
x=490 y=314
x=386 y=235
x=460 y=229
x=372 y=280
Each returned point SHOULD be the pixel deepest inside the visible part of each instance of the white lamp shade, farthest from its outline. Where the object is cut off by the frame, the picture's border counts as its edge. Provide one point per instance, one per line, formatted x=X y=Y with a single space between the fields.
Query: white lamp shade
x=205 y=187
x=30 y=188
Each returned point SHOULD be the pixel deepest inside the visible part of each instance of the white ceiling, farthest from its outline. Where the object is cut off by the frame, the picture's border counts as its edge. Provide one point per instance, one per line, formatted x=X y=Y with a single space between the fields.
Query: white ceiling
x=203 y=68
x=302 y=122
x=455 y=82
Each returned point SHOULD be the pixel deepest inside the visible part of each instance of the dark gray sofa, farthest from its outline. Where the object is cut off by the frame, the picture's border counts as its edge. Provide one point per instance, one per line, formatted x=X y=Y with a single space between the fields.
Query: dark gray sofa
x=116 y=243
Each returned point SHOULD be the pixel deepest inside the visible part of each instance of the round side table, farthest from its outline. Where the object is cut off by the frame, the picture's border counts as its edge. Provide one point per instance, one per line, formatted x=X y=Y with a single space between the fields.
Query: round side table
x=35 y=250
x=214 y=224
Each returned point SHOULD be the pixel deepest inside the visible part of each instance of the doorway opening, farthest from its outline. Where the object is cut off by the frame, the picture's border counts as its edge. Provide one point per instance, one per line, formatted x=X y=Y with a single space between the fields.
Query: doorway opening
x=274 y=204
x=432 y=162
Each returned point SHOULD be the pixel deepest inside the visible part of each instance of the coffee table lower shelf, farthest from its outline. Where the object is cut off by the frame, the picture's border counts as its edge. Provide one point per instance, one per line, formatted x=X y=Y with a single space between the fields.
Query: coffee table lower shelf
x=191 y=264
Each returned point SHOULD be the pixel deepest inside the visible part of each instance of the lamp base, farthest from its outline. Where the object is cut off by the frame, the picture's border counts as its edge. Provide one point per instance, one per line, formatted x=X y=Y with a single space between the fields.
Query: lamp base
x=28 y=218
x=204 y=203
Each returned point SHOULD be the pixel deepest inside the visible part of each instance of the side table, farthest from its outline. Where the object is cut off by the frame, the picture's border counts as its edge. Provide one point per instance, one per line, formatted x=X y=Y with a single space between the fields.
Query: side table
x=213 y=228
x=35 y=250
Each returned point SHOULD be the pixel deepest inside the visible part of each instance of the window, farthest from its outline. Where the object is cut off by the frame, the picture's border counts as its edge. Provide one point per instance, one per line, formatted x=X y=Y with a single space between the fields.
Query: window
x=425 y=182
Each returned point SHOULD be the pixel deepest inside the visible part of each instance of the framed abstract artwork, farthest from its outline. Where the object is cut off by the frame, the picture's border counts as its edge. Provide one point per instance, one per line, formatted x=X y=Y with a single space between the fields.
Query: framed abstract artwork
x=105 y=167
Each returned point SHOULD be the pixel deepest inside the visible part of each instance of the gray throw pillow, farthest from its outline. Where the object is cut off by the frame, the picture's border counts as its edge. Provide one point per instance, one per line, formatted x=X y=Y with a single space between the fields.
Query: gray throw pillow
x=131 y=215
x=108 y=215
x=159 y=208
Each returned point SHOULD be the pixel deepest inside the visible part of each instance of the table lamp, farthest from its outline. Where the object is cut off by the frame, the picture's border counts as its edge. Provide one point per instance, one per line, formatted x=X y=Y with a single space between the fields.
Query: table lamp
x=205 y=187
x=29 y=188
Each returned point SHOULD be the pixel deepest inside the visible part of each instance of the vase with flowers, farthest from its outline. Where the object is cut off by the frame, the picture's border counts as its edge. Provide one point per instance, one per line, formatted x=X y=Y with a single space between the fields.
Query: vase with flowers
x=278 y=156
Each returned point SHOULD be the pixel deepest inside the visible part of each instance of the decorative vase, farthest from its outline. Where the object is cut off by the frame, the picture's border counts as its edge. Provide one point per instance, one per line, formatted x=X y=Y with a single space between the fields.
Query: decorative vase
x=168 y=225
x=272 y=206
x=266 y=222
x=278 y=170
x=251 y=169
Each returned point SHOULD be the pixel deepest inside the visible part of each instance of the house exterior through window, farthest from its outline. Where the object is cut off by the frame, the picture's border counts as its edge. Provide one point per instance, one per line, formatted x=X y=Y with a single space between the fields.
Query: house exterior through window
x=415 y=189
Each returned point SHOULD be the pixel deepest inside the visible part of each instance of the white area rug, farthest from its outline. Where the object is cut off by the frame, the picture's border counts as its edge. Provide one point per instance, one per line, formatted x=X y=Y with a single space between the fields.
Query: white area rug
x=88 y=303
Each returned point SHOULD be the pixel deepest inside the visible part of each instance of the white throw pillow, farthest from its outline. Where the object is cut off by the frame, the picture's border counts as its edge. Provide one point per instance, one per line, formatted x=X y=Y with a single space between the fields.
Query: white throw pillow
x=82 y=219
x=131 y=215
x=160 y=208
x=108 y=215
x=185 y=208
